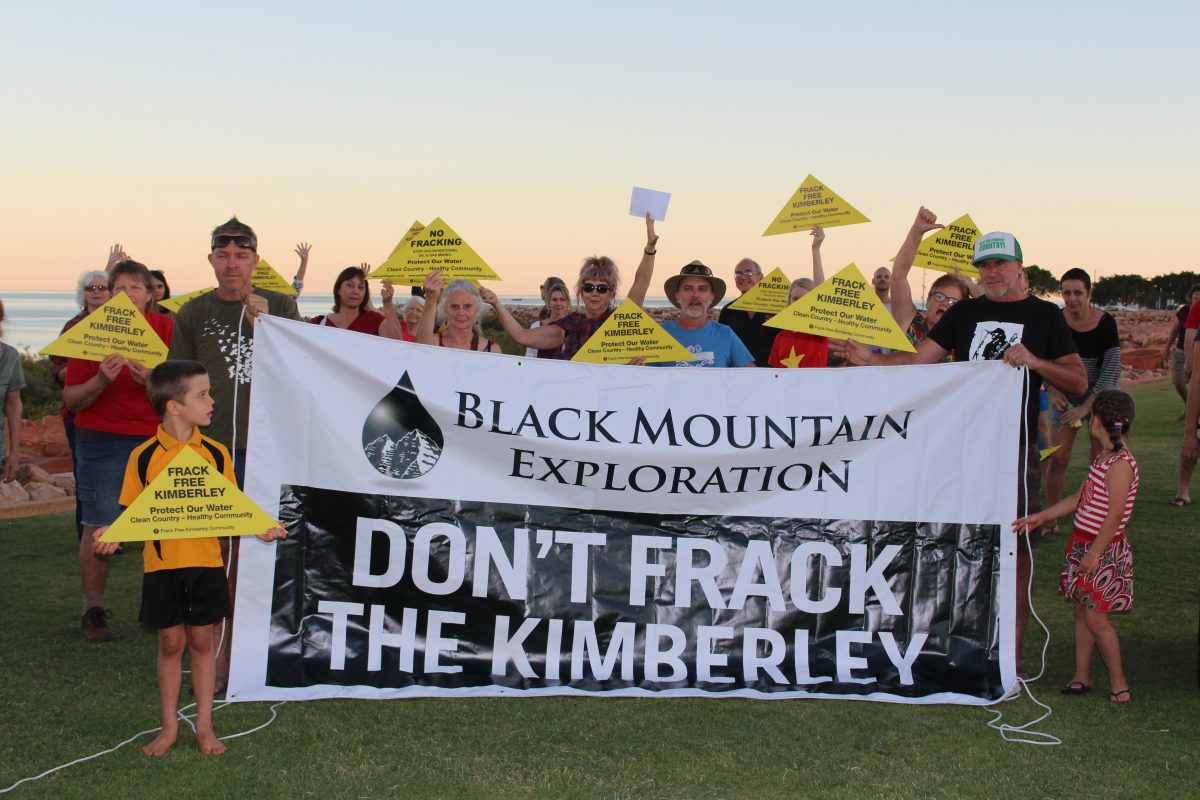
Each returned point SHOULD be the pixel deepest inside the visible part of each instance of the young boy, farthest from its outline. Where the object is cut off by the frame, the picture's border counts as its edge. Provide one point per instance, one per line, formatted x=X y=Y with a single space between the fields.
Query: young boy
x=184 y=589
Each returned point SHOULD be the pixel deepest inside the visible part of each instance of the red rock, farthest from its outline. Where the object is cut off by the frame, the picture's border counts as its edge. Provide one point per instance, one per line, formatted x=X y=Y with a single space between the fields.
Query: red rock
x=12 y=493
x=40 y=492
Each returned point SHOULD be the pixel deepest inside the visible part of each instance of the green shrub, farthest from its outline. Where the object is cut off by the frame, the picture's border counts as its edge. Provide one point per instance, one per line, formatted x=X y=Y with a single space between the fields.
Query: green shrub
x=41 y=397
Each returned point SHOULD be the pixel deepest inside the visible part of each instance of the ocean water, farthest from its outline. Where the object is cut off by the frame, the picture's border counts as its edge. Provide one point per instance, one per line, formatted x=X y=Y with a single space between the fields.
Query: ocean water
x=33 y=319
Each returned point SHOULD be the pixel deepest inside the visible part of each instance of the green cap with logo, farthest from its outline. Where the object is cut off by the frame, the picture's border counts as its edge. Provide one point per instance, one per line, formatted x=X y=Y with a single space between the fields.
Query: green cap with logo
x=997 y=244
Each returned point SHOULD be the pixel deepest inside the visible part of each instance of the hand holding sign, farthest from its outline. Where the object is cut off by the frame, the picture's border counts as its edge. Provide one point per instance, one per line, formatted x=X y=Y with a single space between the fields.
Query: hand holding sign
x=254 y=304
x=651 y=236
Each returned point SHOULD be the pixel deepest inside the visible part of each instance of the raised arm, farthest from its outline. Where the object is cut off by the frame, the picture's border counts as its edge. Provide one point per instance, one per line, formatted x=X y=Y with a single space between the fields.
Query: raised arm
x=302 y=250
x=390 y=327
x=903 y=308
x=645 y=270
x=818 y=234
x=434 y=283
x=116 y=254
x=543 y=337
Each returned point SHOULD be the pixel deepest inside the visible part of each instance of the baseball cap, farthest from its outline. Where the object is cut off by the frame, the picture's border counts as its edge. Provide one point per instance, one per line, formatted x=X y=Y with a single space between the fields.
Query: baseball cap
x=997 y=244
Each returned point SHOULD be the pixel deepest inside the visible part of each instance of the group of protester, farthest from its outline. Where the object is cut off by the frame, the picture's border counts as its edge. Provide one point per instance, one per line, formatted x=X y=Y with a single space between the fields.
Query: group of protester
x=1074 y=351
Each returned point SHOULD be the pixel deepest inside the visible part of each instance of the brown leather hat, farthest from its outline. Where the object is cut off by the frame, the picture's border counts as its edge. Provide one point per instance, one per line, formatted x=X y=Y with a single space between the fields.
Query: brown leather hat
x=694 y=270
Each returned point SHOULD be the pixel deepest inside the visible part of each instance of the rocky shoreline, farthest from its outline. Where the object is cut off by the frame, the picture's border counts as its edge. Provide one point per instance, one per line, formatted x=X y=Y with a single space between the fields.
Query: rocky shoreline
x=44 y=484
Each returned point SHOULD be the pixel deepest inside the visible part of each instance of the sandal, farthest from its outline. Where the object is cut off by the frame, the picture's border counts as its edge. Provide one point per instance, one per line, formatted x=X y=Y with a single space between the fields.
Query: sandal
x=1115 y=697
x=1076 y=687
x=1179 y=502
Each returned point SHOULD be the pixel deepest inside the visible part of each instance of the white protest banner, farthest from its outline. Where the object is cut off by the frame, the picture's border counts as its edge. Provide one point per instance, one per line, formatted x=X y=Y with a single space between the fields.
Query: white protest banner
x=472 y=524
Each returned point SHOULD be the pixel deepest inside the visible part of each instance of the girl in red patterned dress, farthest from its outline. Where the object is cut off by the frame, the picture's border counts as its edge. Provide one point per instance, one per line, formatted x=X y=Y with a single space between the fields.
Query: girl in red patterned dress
x=1098 y=574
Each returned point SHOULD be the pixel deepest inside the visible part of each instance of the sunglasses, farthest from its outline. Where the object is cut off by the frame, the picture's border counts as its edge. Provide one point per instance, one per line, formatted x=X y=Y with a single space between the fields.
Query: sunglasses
x=98 y=287
x=597 y=288
x=221 y=240
x=941 y=298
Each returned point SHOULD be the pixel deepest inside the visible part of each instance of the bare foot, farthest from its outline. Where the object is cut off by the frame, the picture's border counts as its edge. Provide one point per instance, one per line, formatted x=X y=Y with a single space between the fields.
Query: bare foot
x=209 y=744
x=162 y=743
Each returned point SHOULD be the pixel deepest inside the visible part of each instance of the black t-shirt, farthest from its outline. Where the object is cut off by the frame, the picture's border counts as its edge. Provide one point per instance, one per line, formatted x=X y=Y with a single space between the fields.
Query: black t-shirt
x=1181 y=314
x=983 y=329
x=749 y=328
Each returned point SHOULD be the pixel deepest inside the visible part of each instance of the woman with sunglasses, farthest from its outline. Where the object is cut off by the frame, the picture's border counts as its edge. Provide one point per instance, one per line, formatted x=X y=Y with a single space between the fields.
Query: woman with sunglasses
x=945 y=292
x=596 y=289
x=91 y=292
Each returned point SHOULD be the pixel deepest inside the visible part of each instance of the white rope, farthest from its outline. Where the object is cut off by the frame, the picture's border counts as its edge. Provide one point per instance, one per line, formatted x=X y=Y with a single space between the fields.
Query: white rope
x=1021 y=734
x=186 y=718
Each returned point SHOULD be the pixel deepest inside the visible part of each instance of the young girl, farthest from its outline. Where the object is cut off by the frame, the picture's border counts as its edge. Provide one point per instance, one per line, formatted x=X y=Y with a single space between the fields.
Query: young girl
x=1098 y=574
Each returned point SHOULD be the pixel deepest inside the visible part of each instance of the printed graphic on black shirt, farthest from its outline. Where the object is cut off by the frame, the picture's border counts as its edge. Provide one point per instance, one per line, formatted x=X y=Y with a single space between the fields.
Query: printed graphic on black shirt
x=992 y=339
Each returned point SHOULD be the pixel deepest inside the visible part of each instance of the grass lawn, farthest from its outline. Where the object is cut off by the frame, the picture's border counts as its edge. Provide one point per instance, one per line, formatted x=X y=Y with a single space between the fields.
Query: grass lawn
x=61 y=698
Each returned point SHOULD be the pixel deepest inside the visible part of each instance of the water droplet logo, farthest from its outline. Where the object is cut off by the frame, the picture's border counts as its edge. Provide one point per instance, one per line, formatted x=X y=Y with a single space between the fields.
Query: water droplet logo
x=400 y=438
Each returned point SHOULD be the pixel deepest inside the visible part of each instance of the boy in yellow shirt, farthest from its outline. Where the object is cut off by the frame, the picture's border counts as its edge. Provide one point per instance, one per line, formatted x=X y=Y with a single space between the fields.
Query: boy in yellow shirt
x=184 y=588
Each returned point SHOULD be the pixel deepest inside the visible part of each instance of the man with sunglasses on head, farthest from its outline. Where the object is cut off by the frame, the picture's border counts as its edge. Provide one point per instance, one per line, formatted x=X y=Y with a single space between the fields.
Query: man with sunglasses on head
x=694 y=291
x=217 y=329
x=748 y=325
x=1004 y=324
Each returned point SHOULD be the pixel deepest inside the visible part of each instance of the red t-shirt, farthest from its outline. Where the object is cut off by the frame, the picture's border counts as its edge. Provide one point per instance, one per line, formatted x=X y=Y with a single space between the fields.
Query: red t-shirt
x=365 y=322
x=123 y=406
x=815 y=349
x=1193 y=318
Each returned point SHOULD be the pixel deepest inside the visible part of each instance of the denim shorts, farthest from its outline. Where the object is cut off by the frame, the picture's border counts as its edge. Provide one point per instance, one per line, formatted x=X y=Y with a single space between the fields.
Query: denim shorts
x=100 y=461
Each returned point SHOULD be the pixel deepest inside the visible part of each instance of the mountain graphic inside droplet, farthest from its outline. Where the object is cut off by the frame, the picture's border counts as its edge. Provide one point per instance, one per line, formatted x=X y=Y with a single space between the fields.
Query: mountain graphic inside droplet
x=400 y=438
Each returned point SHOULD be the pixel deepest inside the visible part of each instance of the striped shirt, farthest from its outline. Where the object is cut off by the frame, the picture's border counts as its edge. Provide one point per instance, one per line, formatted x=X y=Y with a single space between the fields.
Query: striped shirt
x=1100 y=352
x=1094 y=501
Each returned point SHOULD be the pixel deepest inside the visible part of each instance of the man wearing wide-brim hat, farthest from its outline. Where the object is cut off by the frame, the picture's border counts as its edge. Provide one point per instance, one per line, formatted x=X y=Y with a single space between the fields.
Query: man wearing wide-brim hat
x=694 y=291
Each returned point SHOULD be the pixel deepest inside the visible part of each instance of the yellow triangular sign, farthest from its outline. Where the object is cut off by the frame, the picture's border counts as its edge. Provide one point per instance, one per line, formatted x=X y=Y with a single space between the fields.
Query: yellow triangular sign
x=437 y=246
x=951 y=247
x=814 y=203
x=189 y=499
x=265 y=277
x=174 y=303
x=1049 y=451
x=387 y=271
x=115 y=327
x=629 y=332
x=844 y=307
x=770 y=295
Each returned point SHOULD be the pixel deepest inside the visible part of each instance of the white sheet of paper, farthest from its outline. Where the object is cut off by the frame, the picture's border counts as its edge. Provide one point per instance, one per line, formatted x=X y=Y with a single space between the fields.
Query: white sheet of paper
x=643 y=200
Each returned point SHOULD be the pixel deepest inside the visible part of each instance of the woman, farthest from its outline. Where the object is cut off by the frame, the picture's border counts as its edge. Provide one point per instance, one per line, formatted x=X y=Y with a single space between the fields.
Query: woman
x=459 y=304
x=595 y=290
x=112 y=417
x=91 y=292
x=161 y=291
x=946 y=291
x=412 y=318
x=351 y=294
x=1099 y=345
x=12 y=381
x=558 y=302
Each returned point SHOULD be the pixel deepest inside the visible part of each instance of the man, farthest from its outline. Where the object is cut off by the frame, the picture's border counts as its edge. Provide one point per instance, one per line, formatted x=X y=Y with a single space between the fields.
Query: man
x=217 y=329
x=694 y=291
x=1174 y=353
x=1005 y=323
x=882 y=282
x=748 y=325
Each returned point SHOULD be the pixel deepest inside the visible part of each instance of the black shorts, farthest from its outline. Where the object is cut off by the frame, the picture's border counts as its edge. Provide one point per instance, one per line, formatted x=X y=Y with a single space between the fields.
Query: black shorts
x=189 y=596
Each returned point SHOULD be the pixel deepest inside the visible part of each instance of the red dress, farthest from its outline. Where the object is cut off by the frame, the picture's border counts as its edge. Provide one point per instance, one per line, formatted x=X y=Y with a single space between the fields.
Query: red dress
x=1110 y=587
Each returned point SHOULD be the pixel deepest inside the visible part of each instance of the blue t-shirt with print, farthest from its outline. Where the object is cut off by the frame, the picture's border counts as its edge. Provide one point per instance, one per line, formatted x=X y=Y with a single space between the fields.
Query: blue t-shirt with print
x=714 y=345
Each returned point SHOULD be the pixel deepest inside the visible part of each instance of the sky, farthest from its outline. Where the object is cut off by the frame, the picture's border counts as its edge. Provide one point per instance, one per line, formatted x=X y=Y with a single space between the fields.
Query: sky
x=525 y=125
